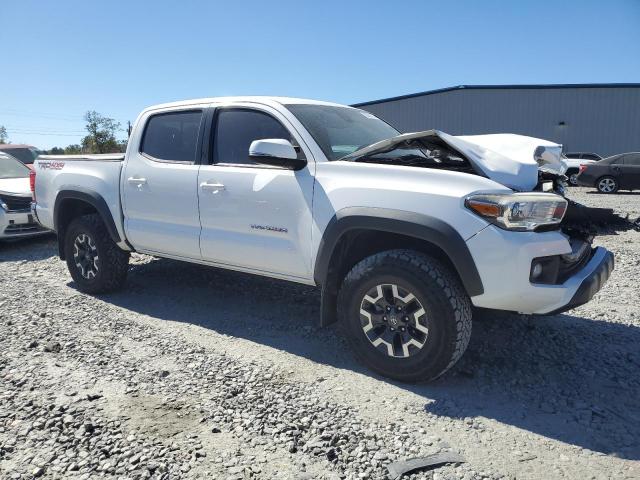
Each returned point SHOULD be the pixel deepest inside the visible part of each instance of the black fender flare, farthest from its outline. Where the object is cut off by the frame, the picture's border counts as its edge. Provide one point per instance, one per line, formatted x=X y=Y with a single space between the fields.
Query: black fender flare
x=416 y=225
x=91 y=198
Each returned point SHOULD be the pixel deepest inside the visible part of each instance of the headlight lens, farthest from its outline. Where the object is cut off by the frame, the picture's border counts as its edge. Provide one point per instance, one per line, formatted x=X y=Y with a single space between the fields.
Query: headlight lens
x=519 y=211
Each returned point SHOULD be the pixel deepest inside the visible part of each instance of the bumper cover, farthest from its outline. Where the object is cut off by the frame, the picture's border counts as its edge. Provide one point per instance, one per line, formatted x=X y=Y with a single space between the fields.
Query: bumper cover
x=593 y=282
x=19 y=224
x=504 y=259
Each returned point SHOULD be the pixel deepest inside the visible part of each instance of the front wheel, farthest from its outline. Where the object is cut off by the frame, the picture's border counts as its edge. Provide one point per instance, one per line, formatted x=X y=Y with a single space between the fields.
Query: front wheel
x=607 y=185
x=96 y=263
x=405 y=315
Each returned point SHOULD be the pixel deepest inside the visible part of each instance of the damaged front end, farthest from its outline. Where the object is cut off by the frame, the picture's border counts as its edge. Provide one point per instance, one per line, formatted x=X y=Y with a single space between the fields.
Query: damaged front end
x=521 y=163
x=580 y=222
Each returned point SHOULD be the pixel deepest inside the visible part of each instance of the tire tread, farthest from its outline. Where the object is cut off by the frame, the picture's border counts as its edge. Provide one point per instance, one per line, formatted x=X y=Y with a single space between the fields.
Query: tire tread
x=441 y=275
x=115 y=266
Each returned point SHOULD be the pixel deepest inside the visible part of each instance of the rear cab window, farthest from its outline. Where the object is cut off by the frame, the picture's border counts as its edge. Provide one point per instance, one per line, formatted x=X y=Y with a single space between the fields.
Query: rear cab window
x=172 y=136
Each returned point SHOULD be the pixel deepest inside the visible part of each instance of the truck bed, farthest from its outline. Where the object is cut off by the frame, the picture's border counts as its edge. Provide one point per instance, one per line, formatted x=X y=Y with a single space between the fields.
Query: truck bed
x=70 y=176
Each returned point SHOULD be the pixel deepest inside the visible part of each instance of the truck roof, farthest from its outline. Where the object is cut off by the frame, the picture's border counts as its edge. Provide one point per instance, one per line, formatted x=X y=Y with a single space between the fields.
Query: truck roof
x=263 y=99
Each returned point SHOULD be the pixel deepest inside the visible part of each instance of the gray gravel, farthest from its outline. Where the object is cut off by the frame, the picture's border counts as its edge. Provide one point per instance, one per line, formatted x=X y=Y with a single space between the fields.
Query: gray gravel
x=193 y=372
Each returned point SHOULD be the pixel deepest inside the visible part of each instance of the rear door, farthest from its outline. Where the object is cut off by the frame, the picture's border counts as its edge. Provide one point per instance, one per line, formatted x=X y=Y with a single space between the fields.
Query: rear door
x=159 y=183
x=255 y=217
x=631 y=171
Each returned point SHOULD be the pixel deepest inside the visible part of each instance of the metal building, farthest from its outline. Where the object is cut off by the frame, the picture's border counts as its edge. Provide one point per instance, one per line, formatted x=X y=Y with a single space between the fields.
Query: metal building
x=600 y=118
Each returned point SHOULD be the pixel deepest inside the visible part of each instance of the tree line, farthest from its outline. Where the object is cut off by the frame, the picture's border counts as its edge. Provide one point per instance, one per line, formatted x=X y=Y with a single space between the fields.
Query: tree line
x=100 y=138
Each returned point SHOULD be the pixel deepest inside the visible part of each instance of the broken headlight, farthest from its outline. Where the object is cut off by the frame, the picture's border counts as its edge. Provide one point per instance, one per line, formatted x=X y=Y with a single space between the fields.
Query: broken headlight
x=518 y=211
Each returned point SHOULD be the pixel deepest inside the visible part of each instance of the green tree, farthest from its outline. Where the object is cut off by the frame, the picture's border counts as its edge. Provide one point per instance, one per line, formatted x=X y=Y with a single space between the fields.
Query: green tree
x=102 y=134
x=4 y=137
x=72 y=149
x=56 y=151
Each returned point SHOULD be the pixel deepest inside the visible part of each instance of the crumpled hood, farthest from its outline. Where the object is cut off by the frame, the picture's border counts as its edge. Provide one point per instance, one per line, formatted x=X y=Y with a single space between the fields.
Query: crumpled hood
x=529 y=152
x=509 y=159
x=15 y=186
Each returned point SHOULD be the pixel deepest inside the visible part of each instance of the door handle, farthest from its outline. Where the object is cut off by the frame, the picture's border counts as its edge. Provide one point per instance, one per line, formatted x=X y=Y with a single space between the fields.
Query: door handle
x=137 y=181
x=212 y=187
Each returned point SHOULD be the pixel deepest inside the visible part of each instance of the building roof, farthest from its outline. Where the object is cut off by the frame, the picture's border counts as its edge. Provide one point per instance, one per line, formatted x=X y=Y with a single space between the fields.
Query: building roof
x=501 y=87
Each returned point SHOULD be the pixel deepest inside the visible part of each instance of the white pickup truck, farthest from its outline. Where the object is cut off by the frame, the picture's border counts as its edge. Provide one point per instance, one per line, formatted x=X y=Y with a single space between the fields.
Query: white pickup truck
x=404 y=234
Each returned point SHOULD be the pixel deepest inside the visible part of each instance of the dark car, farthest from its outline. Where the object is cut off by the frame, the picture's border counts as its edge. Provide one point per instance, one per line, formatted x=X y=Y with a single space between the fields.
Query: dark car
x=583 y=156
x=619 y=172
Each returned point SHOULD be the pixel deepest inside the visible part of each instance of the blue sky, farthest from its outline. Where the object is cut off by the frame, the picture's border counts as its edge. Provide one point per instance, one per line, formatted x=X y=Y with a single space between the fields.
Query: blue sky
x=62 y=58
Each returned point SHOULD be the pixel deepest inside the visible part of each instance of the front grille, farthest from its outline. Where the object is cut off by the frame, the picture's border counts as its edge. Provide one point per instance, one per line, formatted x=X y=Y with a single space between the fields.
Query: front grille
x=17 y=229
x=16 y=202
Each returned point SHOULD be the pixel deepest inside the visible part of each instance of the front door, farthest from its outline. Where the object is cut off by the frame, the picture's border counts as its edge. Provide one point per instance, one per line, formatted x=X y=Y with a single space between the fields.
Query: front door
x=160 y=185
x=254 y=217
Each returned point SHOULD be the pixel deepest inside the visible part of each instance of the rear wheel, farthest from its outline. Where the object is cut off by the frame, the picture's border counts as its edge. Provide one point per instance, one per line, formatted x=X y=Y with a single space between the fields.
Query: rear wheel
x=607 y=185
x=405 y=315
x=573 y=177
x=96 y=263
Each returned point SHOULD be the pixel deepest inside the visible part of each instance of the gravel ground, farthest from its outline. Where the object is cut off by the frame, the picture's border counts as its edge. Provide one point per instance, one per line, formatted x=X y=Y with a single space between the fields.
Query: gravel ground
x=193 y=372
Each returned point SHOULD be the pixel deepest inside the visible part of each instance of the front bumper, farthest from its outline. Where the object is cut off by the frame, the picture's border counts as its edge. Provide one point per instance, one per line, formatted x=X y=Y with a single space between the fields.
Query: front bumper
x=19 y=224
x=504 y=259
x=603 y=264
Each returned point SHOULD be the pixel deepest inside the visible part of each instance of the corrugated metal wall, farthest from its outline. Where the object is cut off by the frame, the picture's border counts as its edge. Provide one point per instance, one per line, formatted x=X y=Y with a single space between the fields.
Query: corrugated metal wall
x=602 y=120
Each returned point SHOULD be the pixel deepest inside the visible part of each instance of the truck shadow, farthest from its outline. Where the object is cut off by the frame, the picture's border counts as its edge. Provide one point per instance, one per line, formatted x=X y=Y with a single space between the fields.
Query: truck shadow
x=568 y=378
x=565 y=377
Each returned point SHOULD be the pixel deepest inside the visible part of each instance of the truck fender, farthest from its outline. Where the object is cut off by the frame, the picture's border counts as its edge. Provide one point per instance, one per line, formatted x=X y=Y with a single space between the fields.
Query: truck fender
x=91 y=198
x=410 y=224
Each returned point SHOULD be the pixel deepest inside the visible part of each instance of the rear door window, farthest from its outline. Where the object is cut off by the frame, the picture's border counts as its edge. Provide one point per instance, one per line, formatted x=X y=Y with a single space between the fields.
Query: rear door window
x=172 y=136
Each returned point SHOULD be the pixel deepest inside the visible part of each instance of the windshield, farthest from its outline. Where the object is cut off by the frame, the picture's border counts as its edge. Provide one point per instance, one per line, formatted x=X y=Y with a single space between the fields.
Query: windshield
x=340 y=131
x=12 y=168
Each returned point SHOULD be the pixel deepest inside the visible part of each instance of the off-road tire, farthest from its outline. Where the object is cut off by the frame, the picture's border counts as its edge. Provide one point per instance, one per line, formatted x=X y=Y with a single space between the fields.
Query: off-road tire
x=438 y=289
x=112 y=261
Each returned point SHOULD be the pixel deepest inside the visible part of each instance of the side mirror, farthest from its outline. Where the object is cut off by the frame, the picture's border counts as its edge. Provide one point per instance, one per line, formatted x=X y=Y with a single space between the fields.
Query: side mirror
x=275 y=151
